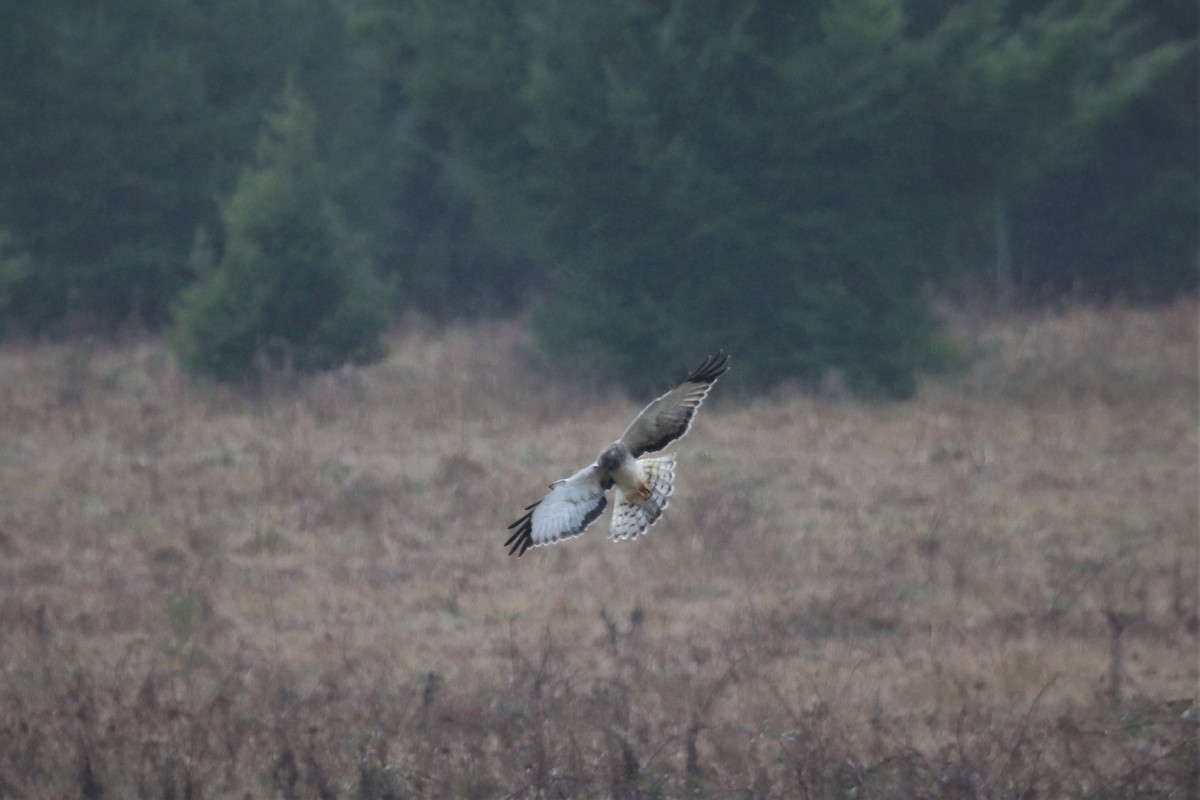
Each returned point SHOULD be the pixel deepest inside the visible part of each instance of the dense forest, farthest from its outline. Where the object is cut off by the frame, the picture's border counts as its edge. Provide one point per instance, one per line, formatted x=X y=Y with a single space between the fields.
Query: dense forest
x=272 y=181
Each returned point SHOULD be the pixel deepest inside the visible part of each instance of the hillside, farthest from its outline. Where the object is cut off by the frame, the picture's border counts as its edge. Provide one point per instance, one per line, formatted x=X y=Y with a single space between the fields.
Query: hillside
x=989 y=591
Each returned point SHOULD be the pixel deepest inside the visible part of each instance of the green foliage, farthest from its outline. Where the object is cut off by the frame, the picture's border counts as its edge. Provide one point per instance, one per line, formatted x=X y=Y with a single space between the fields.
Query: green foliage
x=787 y=180
x=1121 y=221
x=772 y=180
x=699 y=176
x=451 y=255
x=1079 y=119
x=122 y=121
x=291 y=287
x=105 y=152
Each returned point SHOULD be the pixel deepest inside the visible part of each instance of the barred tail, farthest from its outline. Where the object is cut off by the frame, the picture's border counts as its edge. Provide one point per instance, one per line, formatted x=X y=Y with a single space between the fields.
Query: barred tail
x=631 y=515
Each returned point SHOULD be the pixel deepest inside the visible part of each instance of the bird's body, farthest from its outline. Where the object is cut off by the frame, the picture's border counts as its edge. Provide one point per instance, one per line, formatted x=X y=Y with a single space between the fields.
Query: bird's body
x=623 y=468
x=642 y=485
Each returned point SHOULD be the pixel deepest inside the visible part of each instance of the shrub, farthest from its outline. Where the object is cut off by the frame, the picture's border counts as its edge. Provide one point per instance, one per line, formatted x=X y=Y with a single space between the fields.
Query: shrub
x=292 y=287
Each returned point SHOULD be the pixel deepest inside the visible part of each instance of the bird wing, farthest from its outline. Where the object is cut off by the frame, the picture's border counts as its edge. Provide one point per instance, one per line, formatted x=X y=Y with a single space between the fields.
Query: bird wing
x=669 y=417
x=570 y=506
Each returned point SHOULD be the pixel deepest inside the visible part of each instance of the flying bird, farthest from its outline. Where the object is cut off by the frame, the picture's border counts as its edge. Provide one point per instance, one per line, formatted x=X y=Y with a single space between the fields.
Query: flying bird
x=642 y=484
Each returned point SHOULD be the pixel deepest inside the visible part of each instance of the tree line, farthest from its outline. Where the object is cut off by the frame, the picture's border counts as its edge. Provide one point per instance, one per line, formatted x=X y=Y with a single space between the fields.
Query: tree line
x=271 y=181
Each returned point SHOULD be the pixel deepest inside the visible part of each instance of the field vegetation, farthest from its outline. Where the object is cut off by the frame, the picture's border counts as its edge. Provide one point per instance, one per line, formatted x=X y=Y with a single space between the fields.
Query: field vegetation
x=989 y=591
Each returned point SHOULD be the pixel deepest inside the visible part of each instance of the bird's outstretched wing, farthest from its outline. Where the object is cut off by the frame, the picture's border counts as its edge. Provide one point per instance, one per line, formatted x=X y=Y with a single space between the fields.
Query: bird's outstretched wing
x=571 y=505
x=669 y=417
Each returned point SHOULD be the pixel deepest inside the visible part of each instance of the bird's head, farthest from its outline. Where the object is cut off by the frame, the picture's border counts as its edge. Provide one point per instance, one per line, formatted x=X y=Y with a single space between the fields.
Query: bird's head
x=612 y=456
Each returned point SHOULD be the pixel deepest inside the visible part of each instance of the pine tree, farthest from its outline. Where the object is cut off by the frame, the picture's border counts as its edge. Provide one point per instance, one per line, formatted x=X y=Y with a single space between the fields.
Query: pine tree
x=775 y=179
x=291 y=287
x=105 y=146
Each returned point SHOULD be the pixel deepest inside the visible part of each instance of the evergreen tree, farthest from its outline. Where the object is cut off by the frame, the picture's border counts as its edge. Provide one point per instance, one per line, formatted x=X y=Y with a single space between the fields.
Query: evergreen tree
x=451 y=255
x=1021 y=90
x=104 y=159
x=771 y=178
x=1120 y=220
x=291 y=286
x=121 y=120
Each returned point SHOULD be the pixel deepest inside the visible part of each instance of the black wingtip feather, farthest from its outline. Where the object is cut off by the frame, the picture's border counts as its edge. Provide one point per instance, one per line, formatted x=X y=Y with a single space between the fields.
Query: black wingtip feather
x=713 y=367
x=522 y=538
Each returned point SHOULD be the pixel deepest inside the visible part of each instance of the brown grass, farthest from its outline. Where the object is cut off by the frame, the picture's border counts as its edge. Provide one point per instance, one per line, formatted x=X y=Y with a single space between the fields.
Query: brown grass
x=988 y=592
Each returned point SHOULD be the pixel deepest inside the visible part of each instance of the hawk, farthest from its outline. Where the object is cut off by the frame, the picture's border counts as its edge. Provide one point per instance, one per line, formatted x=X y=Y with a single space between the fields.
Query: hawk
x=642 y=484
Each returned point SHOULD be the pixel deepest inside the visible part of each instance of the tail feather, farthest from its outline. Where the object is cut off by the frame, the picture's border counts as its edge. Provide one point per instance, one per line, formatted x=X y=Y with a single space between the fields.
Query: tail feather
x=631 y=515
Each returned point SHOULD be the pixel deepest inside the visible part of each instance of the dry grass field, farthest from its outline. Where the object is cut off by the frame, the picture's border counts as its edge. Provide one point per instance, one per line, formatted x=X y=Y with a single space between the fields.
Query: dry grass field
x=987 y=592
